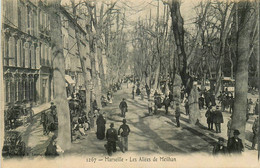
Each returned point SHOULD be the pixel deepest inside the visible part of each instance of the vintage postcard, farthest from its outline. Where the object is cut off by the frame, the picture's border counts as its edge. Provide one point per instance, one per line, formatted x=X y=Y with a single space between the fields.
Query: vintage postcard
x=129 y=83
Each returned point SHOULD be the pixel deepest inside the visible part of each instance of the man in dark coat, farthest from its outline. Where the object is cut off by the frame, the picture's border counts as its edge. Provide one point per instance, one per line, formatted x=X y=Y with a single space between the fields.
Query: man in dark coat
x=231 y=104
x=186 y=104
x=101 y=127
x=207 y=99
x=177 y=114
x=111 y=137
x=124 y=135
x=54 y=112
x=123 y=107
x=201 y=102
x=218 y=119
x=44 y=122
x=209 y=116
x=235 y=144
x=212 y=99
x=166 y=103
x=220 y=148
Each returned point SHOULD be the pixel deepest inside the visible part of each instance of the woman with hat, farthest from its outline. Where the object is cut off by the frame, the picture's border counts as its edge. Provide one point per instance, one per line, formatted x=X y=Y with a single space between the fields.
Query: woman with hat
x=235 y=144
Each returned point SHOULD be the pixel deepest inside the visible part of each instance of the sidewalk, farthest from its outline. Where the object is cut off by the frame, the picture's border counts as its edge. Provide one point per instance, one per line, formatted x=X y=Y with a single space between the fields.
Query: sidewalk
x=32 y=133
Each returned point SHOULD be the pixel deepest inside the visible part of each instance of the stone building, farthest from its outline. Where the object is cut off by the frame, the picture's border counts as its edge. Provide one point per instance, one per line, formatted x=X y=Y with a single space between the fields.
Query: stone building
x=73 y=67
x=26 y=51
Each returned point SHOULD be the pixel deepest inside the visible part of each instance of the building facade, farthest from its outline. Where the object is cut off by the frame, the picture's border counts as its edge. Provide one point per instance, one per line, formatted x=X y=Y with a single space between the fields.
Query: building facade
x=74 y=53
x=26 y=51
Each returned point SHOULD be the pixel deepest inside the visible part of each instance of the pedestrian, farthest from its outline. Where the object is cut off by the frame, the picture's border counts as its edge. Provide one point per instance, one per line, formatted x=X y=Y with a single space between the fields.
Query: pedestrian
x=123 y=107
x=177 y=114
x=218 y=119
x=249 y=105
x=124 y=135
x=201 y=102
x=44 y=122
x=138 y=91
x=111 y=136
x=256 y=107
x=142 y=95
x=207 y=99
x=166 y=103
x=255 y=132
x=212 y=99
x=220 y=148
x=155 y=105
x=133 y=93
x=101 y=127
x=51 y=149
x=231 y=104
x=229 y=128
x=235 y=145
x=54 y=112
x=209 y=116
x=150 y=106
x=186 y=104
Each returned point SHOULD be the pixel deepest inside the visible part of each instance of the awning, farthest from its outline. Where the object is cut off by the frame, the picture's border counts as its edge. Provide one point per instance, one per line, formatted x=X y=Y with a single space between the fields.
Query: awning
x=69 y=79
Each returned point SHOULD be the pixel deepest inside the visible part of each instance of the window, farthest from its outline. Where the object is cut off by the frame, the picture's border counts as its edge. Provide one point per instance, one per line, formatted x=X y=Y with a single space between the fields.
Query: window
x=7 y=91
x=12 y=91
x=6 y=52
x=28 y=19
x=16 y=88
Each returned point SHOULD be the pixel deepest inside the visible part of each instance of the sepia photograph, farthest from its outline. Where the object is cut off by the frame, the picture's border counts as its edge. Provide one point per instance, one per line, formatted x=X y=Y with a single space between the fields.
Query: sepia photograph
x=129 y=83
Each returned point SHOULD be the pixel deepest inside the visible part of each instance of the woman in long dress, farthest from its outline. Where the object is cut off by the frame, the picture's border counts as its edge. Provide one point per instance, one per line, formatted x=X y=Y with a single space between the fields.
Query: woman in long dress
x=101 y=127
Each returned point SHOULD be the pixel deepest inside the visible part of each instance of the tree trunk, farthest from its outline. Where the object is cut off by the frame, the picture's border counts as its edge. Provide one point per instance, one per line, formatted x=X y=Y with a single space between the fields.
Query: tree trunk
x=178 y=31
x=241 y=85
x=60 y=97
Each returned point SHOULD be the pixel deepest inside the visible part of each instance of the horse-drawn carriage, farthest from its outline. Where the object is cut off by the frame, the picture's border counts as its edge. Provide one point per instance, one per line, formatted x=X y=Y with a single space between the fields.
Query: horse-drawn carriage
x=12 y=113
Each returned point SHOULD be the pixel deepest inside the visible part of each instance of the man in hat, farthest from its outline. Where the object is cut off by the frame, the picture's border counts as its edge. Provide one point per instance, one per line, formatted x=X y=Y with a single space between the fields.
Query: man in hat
x=177 y=114
x=235 y=144
x=111 y=137
x=218 y=119
x=124 y=135
x=54 y=112
x=219 y=148
x=166 y=103
x=209 y=116
x=123 y=107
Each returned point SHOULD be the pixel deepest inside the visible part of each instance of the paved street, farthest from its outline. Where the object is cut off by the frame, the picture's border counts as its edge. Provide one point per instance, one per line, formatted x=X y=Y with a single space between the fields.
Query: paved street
x=149 y=134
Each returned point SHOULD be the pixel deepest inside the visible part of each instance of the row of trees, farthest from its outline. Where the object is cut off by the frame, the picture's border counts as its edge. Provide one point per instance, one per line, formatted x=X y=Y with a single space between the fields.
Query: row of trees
x=225 y=43
x=104 y=24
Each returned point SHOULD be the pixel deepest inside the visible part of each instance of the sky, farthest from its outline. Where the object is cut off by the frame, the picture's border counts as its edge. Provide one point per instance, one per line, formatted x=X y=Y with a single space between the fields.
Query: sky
x=136 y=9
x=140 y=9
